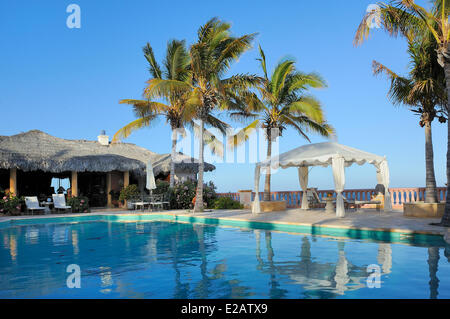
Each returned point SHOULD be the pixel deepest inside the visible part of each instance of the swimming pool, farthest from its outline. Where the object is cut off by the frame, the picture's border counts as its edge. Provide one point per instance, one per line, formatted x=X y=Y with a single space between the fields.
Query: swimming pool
x=168 y=257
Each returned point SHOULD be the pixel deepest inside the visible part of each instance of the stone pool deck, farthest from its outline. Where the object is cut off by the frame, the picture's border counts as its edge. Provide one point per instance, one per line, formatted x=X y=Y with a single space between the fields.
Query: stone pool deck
x=364 y=219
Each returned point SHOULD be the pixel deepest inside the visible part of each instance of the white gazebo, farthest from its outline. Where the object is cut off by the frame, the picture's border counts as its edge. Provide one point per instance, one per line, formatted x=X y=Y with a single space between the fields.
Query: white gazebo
x=324 y=154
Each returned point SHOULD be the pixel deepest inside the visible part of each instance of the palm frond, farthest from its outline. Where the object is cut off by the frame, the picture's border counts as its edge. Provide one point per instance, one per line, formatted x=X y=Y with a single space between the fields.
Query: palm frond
x=232 y=51
x=126 y=131
x=306 y=105
x=142 y=107
x=243 y=135
x=154 y=68
x=177 y=60
x=308 y=125
x=211 y=141
x=157 y=88
x=279 y=75
x=217 y=123
x=262 y=60
x=302 y=81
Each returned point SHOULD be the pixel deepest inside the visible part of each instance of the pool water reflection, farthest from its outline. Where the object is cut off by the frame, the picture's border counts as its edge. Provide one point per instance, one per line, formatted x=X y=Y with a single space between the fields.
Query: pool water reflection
x=182 y=260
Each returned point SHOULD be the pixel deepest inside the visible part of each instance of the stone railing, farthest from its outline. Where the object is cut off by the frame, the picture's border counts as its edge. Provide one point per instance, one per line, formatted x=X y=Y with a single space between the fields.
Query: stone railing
x=398 y=195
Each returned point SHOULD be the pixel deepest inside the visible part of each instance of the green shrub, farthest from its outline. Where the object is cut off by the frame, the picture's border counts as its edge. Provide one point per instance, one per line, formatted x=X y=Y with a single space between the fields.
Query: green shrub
x=162 y=187
x=129 y=192
x=182 y=194
x=79 y=204
x=227 y=203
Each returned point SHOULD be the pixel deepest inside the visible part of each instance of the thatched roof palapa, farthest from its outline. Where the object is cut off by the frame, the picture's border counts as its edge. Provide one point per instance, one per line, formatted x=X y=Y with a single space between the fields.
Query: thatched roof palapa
x=36 y=150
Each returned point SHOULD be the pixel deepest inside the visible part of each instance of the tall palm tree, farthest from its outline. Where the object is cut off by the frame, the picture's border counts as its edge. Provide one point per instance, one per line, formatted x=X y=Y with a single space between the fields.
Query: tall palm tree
x=178 y=112
x=424 y=91
x=282 y=102
x=211 y=57
x=407 y=18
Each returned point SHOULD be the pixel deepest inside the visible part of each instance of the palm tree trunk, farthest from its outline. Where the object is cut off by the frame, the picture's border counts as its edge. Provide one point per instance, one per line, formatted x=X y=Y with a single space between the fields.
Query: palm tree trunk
x=445 y=221
x=433 y=263
x=201 y=165
x=172 y=164
x=269 y=155
x=430 y=191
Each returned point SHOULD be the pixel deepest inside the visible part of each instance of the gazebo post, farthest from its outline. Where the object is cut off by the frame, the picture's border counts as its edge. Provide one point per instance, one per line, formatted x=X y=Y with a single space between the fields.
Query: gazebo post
x=74 y=184
x=13 y=181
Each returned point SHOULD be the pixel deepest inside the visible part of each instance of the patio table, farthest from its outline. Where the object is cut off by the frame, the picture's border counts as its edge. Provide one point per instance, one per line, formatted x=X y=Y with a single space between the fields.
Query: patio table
x=47 y=206
x=329 y=207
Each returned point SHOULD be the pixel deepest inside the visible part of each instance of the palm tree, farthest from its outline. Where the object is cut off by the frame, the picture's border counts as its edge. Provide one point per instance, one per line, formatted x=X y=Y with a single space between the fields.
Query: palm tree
x=178 y=112
x=283 y=103
x=211 y=57
x=424 y=92
x=407 y=18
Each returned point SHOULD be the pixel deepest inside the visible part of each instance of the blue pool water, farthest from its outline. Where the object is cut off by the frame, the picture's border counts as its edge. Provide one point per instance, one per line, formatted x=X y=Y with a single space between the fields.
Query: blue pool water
x=167 y=259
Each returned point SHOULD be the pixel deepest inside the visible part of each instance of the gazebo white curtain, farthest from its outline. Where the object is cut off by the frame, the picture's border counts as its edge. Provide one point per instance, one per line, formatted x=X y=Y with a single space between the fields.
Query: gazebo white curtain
x=325 y=154
x=303 y=179
x=384 y=174
x=337 y=163
x=256 y=208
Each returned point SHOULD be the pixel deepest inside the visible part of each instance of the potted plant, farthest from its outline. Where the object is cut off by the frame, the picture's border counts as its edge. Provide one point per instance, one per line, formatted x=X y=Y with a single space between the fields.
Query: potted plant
x=115 y=198
x=128 y=193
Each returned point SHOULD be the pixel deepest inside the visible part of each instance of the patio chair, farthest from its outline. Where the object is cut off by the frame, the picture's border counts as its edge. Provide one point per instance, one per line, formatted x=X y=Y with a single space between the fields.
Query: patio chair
x=356 y=204
x=165 y=200
x=59 y=202
x=131 y=203
x=32 y=204
x=157 y=200
x=142 y=202
x=314 y=200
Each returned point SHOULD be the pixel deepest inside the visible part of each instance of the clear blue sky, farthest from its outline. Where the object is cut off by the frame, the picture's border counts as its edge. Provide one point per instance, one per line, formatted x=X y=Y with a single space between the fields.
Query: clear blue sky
x=68 y=82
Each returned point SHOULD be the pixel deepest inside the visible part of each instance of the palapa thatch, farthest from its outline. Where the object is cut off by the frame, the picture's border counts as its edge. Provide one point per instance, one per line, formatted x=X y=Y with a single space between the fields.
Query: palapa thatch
x=36 y=150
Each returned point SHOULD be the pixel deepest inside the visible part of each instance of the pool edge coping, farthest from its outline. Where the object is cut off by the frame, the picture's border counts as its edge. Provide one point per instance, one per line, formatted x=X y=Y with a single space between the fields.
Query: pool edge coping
x=391 y=230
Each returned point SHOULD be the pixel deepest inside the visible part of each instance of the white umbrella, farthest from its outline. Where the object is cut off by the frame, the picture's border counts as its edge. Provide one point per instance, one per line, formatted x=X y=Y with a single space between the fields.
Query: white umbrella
x=150 y=177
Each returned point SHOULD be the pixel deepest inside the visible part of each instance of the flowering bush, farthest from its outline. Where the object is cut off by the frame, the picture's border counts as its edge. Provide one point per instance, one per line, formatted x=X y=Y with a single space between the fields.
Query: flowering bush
x=79 y=204
x=11 y=204
x=182 y=194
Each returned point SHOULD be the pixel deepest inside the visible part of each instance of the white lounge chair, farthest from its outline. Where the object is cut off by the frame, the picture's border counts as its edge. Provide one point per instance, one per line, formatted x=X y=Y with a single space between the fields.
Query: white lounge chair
x=32 y=204
x=59 y=202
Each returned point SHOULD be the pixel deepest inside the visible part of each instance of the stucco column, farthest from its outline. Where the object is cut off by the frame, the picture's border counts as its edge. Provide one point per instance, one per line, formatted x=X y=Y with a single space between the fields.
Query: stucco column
x=13 y=181
x=108 y=189
x=126 y=178
x=74 y=184
x=126 y=182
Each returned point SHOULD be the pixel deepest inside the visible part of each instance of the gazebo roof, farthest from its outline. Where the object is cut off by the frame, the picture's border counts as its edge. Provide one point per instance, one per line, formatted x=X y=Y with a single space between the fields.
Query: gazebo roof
x=321 y=154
